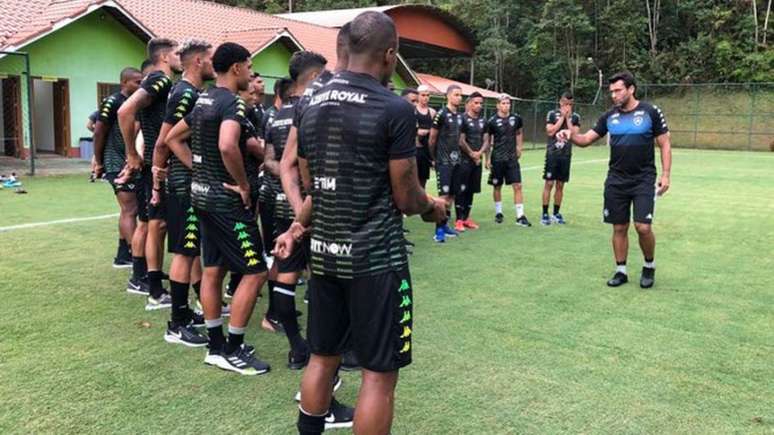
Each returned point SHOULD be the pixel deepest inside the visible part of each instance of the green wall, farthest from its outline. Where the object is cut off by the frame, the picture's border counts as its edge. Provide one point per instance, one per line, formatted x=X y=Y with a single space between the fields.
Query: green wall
x=93 y=49
x=272 y=63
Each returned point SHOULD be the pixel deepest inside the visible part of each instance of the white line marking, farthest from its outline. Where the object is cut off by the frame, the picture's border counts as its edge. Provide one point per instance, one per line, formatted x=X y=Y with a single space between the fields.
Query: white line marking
x=56 y=222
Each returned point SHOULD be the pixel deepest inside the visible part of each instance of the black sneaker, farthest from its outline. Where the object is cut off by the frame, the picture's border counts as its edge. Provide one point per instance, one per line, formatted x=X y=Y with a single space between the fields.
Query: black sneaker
x=339 y=415
x=648 y=277
x=301 y=282
x=159 y=303
x=499 y=218
x=229 y=291
x=349 y=362
x=298 y=360
x=523 y=221
x=137 y=287
x=122 y=263
x=185 y=335
x=243 y=362
x=618 y=279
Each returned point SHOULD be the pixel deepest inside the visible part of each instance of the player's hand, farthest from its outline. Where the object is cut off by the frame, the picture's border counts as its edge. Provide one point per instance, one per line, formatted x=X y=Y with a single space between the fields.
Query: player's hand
x=564 y=135
x=159 y=174
x=155 y=197
x=488 y=164
x=98 y=170
x=123 y=176
x=133 y=163
x=243 y=191
x=663 y=185
x=432 y=164
x=286 y=241
x=438 y=213
x=565 y=111
x=518 y=153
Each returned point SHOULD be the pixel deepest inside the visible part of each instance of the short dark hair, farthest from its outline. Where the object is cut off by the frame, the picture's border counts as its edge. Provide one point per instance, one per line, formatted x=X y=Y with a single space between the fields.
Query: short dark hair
x=342 y=40
x=158 y=45
x=567 y=95
x=475 y=94
x=127 y=72
x=190 y=47
x=227 y=54
x=282 y=88
x=145 y=64
x=303 y=61
x=407 y=91
x=625 y=76
x=254 y=75
x=372 y=33
x=452 y=88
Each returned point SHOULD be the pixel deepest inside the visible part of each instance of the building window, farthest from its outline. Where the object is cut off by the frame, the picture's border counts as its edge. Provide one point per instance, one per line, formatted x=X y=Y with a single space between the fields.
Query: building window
x=105 y=90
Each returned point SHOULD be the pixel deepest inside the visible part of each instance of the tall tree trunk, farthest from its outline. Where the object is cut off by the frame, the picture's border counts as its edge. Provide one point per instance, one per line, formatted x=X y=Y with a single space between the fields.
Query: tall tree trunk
x=766 y=23
x=654 y=16
x=755 y=20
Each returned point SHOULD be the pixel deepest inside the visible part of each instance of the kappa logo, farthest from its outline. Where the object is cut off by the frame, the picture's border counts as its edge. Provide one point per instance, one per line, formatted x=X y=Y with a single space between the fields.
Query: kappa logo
x=606 y=212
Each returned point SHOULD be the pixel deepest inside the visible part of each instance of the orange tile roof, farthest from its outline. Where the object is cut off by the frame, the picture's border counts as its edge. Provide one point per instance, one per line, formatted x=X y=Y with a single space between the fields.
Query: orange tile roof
x=21 y=20
x=439 y=84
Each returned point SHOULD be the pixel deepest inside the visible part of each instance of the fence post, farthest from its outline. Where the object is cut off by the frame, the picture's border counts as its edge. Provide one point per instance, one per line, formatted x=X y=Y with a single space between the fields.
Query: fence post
x=696 y=104
x=534 y=123
x=752 y=117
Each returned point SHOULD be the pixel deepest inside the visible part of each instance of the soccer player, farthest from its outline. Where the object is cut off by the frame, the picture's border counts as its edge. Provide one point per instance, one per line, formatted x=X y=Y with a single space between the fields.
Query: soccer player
x=304 y=67
x=444 y=146
x=149 y=102
x=558 y=156
x=410 y=95
x=506 y=142
x=424 y=115
x=220 y=193
x=184 y=239
x=361 y=179
x=472 y=144
x=633 y=126
x=110 y=155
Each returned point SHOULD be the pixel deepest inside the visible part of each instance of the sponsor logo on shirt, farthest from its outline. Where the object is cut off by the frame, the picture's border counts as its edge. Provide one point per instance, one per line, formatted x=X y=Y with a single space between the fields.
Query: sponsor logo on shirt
x=282 y=122
x=205 y=101
x=340 y=96
x=200 y=189
x=332 y=248
x=325 y=183
x=196 y=158
x=638 y=120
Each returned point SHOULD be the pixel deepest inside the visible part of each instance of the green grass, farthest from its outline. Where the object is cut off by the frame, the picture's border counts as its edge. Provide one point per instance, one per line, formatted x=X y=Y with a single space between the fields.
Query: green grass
x=515 y=331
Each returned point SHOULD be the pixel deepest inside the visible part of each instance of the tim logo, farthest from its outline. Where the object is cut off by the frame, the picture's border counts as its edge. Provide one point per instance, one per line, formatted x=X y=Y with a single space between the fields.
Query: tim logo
x=332 y=248
x=200 y=189
x=325 y=183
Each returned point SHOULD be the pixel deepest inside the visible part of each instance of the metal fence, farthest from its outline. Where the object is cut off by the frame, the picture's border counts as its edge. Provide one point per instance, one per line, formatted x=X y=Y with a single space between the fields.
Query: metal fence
x=734 y=116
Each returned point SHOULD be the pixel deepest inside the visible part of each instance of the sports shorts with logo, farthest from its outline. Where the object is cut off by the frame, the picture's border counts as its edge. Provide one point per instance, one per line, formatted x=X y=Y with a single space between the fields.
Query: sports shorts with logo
x=470 y=175
x=372 y=315
x=231 y=240
x=505 y=172
x=424 y=163
x=448 y=178
x=557 y=168
x=621 y=196
x=300 y=255
x=130 y=186
x=183 y=236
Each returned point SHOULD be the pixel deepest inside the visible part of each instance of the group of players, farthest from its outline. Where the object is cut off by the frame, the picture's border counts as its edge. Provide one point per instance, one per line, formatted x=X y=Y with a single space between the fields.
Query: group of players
x=330 y=168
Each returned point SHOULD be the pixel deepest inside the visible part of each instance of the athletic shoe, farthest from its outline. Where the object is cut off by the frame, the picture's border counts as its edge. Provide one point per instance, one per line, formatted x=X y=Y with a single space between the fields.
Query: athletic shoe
x=440 y=235
x=499 y=218
x=197 y=319
x=163 y=301
x=339 y=415
x=185 y=335
x=229 y=293
x=470 y=224
x=522 y=221
x=337 y=383
x=459 y=226
x=297 y=361
x=122 y=263
x=137 y=287
x=243 y=362
x=545 y=220
x=648 y=277
x=349 y=362
x=618 y=279
x=558 y=219
x=449 y=232
x=272 y=325
x=248 y=348
x=301 y=282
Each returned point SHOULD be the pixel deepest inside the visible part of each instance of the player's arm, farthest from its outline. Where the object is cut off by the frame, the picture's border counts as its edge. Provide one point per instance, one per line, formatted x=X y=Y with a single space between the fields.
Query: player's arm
x=161 y=154
x=256 y=148
x=582 y=140
x=270 y=162
x=228 y=145
x=288 y=240
x=289 y=174
x=553 y=127
x=127 y=114
x=665 y=144
x=100 y=137
x=175 y=140
x=465 y=146
x=519 y=142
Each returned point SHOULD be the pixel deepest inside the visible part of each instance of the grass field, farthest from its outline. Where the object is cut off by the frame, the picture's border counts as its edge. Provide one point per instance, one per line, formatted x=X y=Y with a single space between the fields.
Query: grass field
x=515 y=331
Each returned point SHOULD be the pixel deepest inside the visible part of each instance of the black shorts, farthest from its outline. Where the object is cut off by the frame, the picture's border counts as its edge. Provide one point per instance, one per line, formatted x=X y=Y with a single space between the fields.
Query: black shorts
x=268 y=230
x=371 y=315
x=505 y=173
x=231 y=240
x=130 y=187
x=183 y=235
x=470 y=176
x=158 y=211
x=301 y=253
x=448 y=179
x=621 y=196
x=557 y=168
x=424 y=162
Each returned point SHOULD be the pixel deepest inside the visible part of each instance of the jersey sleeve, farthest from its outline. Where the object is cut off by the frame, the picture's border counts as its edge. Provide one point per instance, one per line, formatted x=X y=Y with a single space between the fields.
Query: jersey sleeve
x=658 y=121
x=401 y=130
x=179 y=105
x=601 y=128
x=551 y=117
x=438 y=119
x=156 y=84
x=108 y=111
x=576 y=120
x=519 y=123
x=235 y=110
